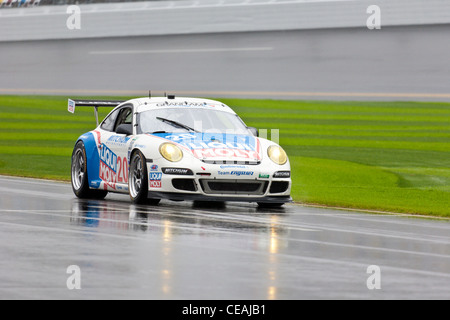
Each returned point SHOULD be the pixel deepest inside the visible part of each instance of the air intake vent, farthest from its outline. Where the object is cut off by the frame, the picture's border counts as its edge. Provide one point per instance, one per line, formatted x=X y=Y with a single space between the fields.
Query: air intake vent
x=278 y=186
x=184 y=184
x=216 y=186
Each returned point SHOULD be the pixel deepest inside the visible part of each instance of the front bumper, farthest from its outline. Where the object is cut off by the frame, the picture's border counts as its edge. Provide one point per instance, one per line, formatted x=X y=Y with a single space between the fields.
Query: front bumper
x=215 y=182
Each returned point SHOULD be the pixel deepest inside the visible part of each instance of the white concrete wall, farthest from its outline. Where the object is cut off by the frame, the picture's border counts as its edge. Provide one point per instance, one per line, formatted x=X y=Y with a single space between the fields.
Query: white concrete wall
x=209 y=16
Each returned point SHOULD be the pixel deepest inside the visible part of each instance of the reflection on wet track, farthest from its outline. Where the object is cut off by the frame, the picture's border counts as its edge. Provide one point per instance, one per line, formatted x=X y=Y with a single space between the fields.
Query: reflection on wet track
x=204 y=219
x=185 y=250
x=171 y=223
x=174 y=225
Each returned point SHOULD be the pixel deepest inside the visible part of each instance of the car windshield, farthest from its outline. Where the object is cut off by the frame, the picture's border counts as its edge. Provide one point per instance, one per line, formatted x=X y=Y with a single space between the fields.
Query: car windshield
x=190 y=120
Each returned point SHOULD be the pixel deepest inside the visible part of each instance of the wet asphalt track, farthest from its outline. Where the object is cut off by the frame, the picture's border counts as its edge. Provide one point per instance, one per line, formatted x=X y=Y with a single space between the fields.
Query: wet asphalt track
x=179 y=251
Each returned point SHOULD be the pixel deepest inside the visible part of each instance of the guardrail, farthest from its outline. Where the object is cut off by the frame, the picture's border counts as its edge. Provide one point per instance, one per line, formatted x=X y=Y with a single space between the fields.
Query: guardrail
x=209 y=16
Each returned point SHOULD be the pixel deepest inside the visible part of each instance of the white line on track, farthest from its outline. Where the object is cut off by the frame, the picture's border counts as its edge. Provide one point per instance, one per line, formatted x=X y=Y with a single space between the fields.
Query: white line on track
x=352 y=246
x=378 y=233
x=28 y=181
x=181 y=50
x=387 y=218
x=381 y=233
x=35 y=193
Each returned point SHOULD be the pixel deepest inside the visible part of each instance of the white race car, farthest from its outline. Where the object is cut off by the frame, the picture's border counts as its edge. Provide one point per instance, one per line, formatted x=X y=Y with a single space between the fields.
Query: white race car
x=179 y=149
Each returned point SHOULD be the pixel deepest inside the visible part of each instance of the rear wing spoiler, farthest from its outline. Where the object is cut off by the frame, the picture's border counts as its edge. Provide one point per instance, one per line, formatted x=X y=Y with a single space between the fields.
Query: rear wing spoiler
x=72 y=104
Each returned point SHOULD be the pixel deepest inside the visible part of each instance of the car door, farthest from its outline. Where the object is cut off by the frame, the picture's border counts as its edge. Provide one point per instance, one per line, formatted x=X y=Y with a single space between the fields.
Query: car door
x=113 y=149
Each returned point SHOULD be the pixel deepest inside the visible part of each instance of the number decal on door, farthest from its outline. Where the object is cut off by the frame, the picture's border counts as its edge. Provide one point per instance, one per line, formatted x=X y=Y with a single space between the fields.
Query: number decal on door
x=122 y=172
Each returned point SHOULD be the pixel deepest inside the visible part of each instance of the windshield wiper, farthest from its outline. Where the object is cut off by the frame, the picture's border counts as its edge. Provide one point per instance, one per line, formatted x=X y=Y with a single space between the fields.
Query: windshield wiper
x=176 y=124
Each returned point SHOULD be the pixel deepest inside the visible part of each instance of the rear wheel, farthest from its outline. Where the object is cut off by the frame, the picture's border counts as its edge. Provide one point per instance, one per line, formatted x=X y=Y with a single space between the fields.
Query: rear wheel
x=79 y=175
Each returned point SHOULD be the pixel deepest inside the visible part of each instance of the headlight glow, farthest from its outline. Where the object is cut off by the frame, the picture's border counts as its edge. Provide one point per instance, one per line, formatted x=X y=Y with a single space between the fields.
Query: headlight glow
x=170 y=152
x=277 y=155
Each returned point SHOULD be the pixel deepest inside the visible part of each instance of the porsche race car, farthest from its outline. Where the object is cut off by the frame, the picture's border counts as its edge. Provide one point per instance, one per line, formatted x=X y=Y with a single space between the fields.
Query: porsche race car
x=178 y=149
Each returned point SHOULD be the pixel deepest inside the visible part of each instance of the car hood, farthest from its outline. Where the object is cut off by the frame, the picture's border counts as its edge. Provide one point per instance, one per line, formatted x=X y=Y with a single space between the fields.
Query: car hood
x=217 y=146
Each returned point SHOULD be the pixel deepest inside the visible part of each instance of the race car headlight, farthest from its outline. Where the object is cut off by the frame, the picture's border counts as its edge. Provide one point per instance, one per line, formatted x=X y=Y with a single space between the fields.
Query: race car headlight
x=171 y=152
x=277 y=155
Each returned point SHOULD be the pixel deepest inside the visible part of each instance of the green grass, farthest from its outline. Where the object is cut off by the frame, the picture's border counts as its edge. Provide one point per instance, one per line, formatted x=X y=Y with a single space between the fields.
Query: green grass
x=389 y=156
x=37 y=135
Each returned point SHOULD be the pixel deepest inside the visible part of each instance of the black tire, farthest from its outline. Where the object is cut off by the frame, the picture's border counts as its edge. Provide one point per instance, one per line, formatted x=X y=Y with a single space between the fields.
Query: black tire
x=79 y=175
x=138 y=179
x=209 y=204
x=270 y=205
x=153 y=202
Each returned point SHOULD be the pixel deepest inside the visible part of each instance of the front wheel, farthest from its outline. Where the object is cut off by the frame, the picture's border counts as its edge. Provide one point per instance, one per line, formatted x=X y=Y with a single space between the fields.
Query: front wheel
x=138 y=179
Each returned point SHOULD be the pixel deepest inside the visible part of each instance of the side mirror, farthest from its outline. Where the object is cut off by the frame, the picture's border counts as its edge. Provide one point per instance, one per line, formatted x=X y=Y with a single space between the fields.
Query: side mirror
x=125 y=128
x=254 y=131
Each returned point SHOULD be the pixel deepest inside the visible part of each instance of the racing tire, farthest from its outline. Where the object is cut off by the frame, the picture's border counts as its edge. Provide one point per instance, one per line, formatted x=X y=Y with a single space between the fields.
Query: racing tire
x=209 y=204
x=270 y=205
x=79 y=175
x=153 y=202
x=138 y=179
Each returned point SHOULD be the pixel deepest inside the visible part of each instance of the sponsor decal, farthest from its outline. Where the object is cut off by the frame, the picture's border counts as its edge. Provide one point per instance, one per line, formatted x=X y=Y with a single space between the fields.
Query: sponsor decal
x=217 y=145
x=180 y=137
x=118 y=140
x=107 y=175
x=264 y=176
x=71 y=106
x=177 y=171
x=229 y=166
x=113 y=169
x=155 y=179
x=108 y=157
x=236 y=173
x=185 y=104
x=282 y=174
x=95 y=184
x=225 y=153
x=154 y=167
x=155 y=184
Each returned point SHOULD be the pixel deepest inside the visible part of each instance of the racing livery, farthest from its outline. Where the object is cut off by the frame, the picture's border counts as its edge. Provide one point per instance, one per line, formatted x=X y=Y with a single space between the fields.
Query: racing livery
x=178 y=149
